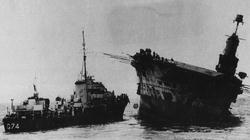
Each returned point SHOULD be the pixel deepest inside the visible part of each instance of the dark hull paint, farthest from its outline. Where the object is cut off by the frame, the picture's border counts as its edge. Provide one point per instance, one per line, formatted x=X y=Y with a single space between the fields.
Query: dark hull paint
x=161 y=110
x=90 y=116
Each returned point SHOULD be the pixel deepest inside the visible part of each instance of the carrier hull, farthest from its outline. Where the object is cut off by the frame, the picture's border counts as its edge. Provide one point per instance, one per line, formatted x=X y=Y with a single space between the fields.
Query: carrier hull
x=160 y=110
x=174 y=91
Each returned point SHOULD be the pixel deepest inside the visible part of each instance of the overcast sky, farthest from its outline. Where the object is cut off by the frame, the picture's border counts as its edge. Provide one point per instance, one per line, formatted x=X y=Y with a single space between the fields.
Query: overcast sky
x=43 y=38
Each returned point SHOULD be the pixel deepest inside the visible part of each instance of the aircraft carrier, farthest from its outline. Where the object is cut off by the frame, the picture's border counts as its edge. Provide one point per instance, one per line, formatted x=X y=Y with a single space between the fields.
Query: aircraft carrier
x=176 y=91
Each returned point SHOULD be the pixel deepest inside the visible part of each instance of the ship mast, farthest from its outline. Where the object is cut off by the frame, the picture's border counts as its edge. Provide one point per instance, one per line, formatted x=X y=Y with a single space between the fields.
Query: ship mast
x=34 y=86
x=84 y=59
x=238 y=19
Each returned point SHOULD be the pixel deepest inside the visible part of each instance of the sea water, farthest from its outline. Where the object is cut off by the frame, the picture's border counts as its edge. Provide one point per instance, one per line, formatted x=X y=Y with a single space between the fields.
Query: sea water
x=134 y=129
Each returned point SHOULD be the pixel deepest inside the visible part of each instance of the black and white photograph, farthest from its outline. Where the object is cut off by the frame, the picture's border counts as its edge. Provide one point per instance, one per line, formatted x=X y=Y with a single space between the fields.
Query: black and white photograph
x=124 y=69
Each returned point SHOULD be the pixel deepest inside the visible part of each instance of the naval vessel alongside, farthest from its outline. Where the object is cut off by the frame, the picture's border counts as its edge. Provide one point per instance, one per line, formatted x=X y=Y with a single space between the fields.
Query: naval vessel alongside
x=91 y=102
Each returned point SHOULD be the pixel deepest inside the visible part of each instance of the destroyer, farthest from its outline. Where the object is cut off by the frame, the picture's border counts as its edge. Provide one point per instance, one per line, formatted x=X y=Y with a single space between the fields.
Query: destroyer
x=90 y=103
x=176 y=91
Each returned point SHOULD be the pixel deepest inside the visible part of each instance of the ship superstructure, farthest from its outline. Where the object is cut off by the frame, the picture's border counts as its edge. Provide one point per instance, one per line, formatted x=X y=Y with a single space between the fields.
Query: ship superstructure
x=30 y=114
x=94 y=99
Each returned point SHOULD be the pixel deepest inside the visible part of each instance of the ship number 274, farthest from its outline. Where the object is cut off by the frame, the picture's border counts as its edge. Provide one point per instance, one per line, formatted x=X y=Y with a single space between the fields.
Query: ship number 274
x=12 y=126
